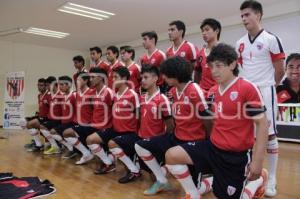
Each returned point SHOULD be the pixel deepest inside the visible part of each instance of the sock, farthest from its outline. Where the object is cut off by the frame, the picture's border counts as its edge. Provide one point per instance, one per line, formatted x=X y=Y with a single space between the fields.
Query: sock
x=47 y=134
x=98 y=151
x=251 y=188
x=119 y=153
x=62 y=141
x=78 y=145
x=151 y=162
x=182 y=174
x=206 y=185
x=272 y=151
x=35 y=135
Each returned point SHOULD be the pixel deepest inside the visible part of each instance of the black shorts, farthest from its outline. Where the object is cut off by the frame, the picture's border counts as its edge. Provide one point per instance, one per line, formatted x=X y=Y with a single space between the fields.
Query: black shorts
x=50 y=124
x=61 y=128
x=126 y=142
x=228 y=168
x=41 y=120
x=83 y=132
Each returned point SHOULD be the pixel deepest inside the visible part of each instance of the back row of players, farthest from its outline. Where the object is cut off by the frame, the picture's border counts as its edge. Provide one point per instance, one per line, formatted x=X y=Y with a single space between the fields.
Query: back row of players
x=110 y=115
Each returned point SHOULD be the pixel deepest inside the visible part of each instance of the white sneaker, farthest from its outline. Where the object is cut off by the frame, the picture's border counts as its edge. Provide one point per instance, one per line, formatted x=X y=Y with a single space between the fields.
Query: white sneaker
x=84 y=159
x=271 y=189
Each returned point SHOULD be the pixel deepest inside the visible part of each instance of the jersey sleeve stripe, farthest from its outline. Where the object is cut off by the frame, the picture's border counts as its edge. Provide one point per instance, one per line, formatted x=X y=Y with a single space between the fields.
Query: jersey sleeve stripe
x=193 y=48
x=137 y=103
x=201 y=95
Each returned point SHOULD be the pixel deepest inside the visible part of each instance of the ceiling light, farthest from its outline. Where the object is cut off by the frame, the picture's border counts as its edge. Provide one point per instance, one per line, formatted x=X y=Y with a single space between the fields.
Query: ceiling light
x=44 y=32
x=84 y=11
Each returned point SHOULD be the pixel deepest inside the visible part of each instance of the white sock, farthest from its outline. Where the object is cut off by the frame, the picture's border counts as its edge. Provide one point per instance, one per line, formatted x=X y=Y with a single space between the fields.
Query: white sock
x=62 y=141
x=206 y=185
x=35 y=135
x=119 y=153
x=272 y=151
x=252 y=187
x=182 y=174
x=151 y=162
x=78 y=145
x=98 y=151
x=49 y=137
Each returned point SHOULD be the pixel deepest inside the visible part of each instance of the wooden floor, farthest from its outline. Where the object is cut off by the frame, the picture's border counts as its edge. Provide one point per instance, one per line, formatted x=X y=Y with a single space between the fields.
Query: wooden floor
x=74 y=182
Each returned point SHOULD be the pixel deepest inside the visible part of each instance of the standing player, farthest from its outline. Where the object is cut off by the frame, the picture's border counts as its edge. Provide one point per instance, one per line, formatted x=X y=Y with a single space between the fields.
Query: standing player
x=227 y=153
x=112 y=54
x=153 y=56
x=96 y=61
x=127 y=56
x=180 y=47
x=211 y=31
x=188 y=106
x=261 y=58
x=79 y=66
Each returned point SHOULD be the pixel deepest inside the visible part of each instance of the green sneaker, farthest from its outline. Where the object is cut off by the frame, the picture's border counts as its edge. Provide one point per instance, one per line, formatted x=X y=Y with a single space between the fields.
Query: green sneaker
x=52 y=150
x=157 y=187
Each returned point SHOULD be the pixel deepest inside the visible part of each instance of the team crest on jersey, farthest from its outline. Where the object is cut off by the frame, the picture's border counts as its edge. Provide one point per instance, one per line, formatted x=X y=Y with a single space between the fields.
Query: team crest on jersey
x=260 y=46
x=153 y=109
x=242 y=47
x=152 y=61
x=231 y=190
x=234 y=95
x=182 y=54
x=125 y=102
x=186 y=100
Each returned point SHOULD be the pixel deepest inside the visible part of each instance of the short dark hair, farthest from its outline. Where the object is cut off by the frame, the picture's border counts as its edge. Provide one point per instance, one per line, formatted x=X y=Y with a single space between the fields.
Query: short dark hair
x=150 y=69
x=42 y=80
x=85 y=76
x=79 y=58
x=50 y=79
x=179 y=25
x=291 y=57
x=98 y=71
x=114 y=49
x=97 y=49
x=213 y=23
x=123 y=47
x=178 y=68
x=65 y=79
x=151 y=35
x=254 y=5
x=224 y=53
x=129 y=49
x=122 y=71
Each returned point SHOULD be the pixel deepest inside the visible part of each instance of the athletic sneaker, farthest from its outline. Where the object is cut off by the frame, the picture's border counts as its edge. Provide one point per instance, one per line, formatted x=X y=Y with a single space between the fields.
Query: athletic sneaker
x=158 y=187
x=52 y=150
x=35 y=148
x=47 y=146
x=271 y=189
x=105 y=168
x=129 y=177
x=29 y=145
x=260 y=192
x=69 y=155
x=84 y=159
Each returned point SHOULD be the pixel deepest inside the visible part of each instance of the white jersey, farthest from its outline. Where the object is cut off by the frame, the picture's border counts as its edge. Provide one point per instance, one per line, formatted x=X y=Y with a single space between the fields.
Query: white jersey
x=256 y=57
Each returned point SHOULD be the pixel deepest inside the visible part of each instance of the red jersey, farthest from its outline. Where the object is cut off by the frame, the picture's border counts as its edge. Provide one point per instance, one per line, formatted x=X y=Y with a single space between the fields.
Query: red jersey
x=124 y=111
x=186 y=50
x=84 y=107
x=69 y=108
x=155 y=59
x=234 y=128
x=102 y=105
x=44 y=103
x=75 y=76
x=101 y=64
x=153 y=111
x=207 y=80
x=135 y=76
x=55 y=111
x=187 y=108
x=110 y=72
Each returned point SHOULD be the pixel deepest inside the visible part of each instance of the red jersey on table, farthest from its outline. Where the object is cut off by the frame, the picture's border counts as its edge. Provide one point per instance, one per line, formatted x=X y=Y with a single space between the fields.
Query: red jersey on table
x=153 y=112
x=84 y=107
x=187 y=107
x=110 y=72
x=102 y=105
x=69 y=108
x=155 y=59
x=124 y=111
x=234 y=128
x=44 y=103
x=186 y=50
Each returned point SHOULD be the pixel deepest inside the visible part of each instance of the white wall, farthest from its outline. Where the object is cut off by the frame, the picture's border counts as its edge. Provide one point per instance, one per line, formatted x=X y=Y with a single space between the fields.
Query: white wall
x=36 y=61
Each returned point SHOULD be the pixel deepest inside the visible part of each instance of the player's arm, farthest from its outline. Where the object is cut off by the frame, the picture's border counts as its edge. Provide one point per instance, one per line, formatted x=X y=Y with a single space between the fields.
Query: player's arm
x=279 y=70
x=169 y=121
x=197 y=74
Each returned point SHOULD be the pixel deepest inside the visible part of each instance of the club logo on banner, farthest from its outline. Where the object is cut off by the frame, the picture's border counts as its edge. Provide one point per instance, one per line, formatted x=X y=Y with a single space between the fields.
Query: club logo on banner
x=13 y=100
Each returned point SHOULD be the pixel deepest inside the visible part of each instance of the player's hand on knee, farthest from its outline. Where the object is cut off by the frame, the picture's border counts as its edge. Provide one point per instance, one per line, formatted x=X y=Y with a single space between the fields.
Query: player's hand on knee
x=254 y=170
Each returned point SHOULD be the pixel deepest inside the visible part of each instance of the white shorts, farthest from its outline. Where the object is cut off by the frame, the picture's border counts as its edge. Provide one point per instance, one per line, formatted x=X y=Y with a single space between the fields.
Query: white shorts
x=270 y=99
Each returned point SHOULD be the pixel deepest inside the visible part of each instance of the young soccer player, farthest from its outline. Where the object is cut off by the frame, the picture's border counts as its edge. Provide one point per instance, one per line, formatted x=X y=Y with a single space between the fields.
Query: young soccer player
x=112 y=54
x=261 y=58
x=239 y=112
x=96 y=61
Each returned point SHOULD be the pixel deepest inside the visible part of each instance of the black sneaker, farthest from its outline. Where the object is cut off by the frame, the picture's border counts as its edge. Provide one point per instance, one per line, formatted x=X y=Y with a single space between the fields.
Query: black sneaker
x=69 y=155
x=129 y=177
x=29 y=145
x=35 y=148
x=105 y=168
